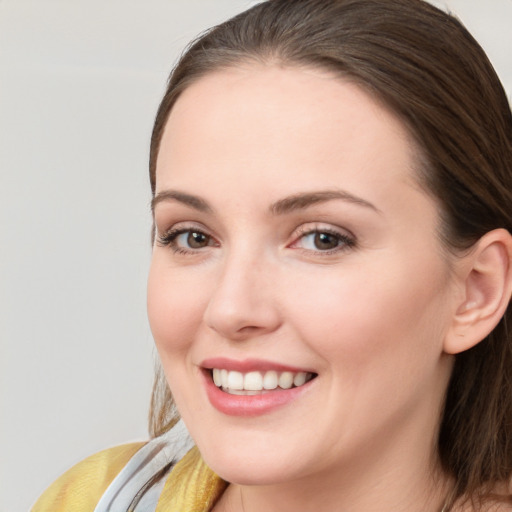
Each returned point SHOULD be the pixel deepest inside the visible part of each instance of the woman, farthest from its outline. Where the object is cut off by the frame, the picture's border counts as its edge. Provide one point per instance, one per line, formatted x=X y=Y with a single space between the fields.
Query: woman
x=331 y=273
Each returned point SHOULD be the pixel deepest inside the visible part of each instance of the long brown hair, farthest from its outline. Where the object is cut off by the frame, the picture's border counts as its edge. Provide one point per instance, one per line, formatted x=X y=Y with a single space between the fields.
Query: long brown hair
x=425 y=66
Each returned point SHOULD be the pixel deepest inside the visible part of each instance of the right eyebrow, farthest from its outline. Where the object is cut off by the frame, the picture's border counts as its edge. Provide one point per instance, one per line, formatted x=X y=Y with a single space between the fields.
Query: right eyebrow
x=174 y=195
x=304 y=200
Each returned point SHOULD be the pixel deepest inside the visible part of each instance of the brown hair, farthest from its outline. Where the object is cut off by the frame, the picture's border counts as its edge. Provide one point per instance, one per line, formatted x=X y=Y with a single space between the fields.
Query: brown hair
x=425 y=66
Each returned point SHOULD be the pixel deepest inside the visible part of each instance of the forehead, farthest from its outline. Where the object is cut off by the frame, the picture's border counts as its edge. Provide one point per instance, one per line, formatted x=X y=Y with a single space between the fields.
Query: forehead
x=270 y=119
x=280 y=93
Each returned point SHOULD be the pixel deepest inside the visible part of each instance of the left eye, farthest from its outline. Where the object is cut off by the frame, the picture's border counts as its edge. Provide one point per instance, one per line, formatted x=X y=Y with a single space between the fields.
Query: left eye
x=192 y=239
x=323 y=241
x=185 y=240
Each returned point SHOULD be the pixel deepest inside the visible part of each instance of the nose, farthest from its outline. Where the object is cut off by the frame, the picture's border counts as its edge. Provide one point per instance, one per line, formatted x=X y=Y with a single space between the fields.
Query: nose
x=243 y=304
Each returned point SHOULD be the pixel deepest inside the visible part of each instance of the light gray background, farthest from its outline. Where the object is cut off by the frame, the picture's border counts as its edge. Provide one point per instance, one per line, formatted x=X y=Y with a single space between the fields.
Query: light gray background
x=80 y=81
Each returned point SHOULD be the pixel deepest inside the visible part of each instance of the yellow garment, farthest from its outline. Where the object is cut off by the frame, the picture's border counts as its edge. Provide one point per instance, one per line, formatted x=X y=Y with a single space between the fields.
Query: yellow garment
x=190 y=487
x=80 y=488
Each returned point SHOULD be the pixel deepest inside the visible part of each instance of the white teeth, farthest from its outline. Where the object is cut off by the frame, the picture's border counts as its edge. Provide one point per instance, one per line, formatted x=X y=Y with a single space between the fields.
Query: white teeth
x=286 y=380
x=241 y=392
x=270 y=380
x=235 y=391
x=224 y=378
x=253 y=383
x=299 y=379
x=235 y=380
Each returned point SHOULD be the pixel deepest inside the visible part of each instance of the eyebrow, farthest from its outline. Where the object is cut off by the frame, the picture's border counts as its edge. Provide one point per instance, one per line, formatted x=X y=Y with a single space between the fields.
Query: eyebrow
x=304 y=200
x=173 y=195
x=286 y=205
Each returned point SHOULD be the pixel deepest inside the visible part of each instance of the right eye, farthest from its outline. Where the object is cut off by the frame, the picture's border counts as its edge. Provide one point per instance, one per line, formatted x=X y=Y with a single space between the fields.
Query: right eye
x=186 y=240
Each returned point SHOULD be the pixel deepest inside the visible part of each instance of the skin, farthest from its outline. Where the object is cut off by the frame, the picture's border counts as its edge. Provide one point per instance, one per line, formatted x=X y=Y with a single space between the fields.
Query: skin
x=369 y=317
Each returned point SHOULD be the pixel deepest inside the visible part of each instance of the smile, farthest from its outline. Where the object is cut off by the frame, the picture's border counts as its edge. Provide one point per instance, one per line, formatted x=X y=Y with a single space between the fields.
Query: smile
x=257 y=382
x=253 y=387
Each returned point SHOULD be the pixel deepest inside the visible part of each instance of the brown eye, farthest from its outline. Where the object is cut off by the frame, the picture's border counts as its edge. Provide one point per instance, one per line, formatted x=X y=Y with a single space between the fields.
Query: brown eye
x=186 y=240
x=196 y=240
x=325 y=241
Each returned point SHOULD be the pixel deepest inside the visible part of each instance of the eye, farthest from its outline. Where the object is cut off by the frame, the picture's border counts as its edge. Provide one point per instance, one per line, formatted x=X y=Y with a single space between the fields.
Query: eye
x=186 y=240
x=320 y=241
x=326 y=241
x=193 y=239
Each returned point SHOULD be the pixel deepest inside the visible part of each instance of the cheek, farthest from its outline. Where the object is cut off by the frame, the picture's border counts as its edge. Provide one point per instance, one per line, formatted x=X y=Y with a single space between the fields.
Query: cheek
x=175 y=307
x=360 y=318
x=380 y=345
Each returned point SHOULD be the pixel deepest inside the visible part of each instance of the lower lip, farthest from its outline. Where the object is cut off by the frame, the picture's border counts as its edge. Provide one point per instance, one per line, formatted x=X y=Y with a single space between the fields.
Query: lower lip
x=250 y=405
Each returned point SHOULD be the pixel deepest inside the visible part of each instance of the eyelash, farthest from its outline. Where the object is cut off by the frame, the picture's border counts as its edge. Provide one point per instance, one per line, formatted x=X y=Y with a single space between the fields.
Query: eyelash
x=344 y=241
x=169 y=239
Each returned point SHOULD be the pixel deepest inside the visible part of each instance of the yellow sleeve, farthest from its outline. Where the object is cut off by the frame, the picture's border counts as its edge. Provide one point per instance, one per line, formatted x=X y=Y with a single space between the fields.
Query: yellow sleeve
x=80 y=488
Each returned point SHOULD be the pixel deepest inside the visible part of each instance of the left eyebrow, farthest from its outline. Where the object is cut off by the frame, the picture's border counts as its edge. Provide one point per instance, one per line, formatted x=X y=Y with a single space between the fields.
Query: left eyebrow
x=173 y=195
x=304 y=200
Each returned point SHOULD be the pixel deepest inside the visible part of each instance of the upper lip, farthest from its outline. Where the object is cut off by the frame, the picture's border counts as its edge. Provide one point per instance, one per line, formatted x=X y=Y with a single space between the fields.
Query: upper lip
x=248 y=365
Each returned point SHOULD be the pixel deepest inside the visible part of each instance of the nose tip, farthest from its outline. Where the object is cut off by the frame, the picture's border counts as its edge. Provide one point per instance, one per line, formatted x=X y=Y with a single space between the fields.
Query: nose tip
x=242 y=308
x=234 y=325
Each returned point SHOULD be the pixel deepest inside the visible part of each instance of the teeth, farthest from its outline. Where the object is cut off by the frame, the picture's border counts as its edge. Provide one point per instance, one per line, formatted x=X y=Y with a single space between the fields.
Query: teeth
x=236 y=391
x=286 y=380
x=252 y=383
x=299 y=379
x=224 y=378
x=235 y=380
x=270 y=380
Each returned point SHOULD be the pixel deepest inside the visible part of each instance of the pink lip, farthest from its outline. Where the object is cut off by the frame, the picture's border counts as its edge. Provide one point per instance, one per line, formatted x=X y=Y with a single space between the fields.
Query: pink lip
x=249 y=365
x=249 y=405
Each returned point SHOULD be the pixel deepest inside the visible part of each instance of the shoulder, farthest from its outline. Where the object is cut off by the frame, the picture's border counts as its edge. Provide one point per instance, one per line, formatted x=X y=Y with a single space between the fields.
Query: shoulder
x=81 y=487
x=127 y=477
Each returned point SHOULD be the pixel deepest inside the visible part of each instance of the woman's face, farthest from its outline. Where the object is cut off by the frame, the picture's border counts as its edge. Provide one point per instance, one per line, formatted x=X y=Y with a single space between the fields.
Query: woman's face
x=295 y=248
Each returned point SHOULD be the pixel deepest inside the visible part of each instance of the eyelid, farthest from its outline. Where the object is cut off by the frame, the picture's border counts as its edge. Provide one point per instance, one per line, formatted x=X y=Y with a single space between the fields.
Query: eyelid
x=181 y=226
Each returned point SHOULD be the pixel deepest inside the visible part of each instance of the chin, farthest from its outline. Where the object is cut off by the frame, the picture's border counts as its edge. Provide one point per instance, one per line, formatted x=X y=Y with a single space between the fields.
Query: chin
x=261 y=471
x=253 y=459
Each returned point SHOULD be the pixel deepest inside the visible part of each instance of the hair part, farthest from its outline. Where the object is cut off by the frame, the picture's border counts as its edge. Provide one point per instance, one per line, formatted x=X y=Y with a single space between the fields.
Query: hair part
x=424 y=66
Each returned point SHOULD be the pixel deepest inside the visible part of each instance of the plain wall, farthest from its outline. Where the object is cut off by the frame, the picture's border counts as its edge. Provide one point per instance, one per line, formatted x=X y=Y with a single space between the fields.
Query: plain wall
x=80 y=81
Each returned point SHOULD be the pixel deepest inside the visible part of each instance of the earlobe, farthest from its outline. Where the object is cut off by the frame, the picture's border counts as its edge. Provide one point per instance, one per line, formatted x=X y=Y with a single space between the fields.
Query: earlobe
x=487 y=284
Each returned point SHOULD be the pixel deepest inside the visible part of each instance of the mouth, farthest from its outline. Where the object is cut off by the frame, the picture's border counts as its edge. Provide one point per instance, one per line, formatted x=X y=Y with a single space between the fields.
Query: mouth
x=254 y=387
x=257 y=382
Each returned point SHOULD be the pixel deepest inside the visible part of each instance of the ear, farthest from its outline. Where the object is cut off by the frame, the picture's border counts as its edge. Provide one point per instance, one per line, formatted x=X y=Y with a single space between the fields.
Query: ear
x=486 y=276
